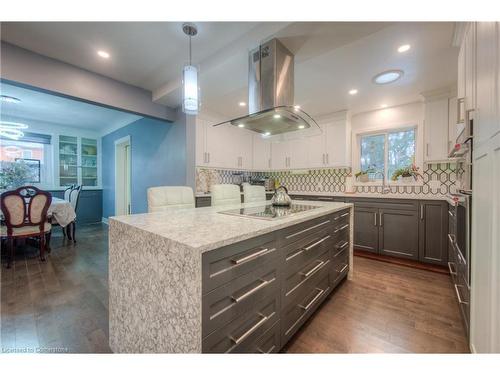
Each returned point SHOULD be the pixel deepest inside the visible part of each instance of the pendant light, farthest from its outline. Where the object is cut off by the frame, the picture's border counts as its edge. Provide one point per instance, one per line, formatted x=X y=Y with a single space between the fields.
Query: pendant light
x=190 y=100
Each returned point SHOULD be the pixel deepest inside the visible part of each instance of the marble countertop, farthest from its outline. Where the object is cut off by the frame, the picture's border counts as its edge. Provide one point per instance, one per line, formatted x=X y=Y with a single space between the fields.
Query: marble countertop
x=204 y=229
x=355 y=195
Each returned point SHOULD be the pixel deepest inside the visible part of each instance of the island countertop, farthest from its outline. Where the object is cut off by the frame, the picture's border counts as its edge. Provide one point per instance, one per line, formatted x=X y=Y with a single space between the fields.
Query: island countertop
x=205 y=229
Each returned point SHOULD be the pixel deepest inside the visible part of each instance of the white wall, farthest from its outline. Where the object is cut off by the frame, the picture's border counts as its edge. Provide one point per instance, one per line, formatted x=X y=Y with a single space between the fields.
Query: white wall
x=388 y=118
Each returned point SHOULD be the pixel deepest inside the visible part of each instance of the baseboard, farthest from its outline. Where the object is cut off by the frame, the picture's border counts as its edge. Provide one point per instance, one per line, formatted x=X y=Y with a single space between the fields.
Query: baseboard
x=402 y=262
x=472 y=348
x=105 y=220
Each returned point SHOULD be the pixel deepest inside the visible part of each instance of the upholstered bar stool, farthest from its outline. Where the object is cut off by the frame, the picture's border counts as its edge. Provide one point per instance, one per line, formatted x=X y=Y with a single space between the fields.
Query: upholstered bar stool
x=254 y=193
x=163 y=198
x=225 y=194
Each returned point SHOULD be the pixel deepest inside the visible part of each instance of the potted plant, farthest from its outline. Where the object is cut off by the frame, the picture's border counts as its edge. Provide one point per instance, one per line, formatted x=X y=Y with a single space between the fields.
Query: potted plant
x=362 y=176
x=407 y=174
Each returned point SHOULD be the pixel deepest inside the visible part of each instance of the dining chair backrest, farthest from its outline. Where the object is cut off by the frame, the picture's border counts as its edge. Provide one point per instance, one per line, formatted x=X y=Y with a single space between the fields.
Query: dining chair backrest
x=25 y=206
x=162 y=198
x=67 y=192
x=74 y=196
x=254 y=193
x=225 y=194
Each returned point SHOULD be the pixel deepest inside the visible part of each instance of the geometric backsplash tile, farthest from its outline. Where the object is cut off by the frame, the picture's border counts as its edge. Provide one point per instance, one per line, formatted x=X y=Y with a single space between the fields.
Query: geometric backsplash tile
x=438 y=179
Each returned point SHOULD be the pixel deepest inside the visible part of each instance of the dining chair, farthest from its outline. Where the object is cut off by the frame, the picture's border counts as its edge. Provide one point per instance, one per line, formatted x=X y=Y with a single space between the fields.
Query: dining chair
x=162 y=198
x=74 y=198
x=254 y=193
x=25 y=215
x=225 y=194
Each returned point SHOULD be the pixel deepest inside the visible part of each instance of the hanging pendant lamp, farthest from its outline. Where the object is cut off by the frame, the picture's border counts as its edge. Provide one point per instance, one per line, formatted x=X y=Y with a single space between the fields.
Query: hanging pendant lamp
x=190 y=97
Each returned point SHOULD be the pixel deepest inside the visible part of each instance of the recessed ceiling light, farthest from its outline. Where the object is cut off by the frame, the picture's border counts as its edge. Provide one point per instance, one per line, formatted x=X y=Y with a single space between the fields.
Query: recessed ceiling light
x=242 y=104
x=404 y=48
x=296 y=107
x=266 y=134
x=241 y=125
x=383 y=106
x=103 y=54
x=353 y=92
x=9 y=99
x=302 y=126
x=388 y=76
x=277 y=115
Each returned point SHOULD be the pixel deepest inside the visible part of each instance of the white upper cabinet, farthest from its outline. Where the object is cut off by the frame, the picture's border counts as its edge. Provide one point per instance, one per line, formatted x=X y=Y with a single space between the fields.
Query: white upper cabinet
x=316 y=147
x=243 y=147
x=487 y=76
x=261 y=153
x=436 y=129
x=279 y=155
x=452 y=122
x=297 y=154
x=470 y=66
x=461 y=72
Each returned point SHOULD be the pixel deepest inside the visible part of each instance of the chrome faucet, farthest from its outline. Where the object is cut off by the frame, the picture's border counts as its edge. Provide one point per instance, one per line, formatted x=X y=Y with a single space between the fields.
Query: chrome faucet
x=385 y=189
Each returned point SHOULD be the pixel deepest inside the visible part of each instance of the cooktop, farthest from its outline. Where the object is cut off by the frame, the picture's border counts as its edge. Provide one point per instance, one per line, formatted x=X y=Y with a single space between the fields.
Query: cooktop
x=269 y=212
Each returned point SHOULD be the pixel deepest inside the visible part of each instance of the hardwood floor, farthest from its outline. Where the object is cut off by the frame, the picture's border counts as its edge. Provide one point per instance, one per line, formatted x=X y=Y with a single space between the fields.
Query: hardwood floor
x=61 y=305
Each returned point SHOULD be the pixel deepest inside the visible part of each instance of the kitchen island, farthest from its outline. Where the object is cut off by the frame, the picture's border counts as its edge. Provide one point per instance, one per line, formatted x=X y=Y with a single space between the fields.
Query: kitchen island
x=198 y=280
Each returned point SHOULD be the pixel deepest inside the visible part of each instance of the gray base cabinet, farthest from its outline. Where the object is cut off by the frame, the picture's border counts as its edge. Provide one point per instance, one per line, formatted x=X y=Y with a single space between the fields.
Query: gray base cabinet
x=258 y=293
x=403 y=228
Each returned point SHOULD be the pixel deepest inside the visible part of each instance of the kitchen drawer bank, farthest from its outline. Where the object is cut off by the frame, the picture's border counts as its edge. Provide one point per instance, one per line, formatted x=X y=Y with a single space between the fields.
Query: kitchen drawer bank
x=247 y=296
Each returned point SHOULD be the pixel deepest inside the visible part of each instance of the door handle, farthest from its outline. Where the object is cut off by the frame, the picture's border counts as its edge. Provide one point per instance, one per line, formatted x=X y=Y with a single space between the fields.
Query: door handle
x=421 y=212
x=380 y=219
x=327 y=158
x=375 y=219
x=252 y=256
x=251 y=330
x=313 y=270
x=324 y=162
x=427 y=149
x=313 y=245
x=252 y=291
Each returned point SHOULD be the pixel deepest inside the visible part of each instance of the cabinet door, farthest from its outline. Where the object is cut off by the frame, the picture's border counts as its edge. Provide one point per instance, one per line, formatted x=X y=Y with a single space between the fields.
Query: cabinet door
x=245 y=148
x=68 y=160
x=461 y=72
x=398 y=233
x=486 y=82
x=452 y=123
x=297 y=149
x=366 y=229
x=316 y=154
x=89 y=161
x=279 y=155
x=433 y=229
x=261 y=153
x=436 y=130
x=470 y=65
x=337 y=144
x=219 y=147
x=200 y=142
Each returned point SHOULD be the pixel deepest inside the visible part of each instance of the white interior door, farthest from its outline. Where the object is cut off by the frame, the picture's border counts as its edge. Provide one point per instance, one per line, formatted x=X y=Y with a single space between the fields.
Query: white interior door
x=123 y=184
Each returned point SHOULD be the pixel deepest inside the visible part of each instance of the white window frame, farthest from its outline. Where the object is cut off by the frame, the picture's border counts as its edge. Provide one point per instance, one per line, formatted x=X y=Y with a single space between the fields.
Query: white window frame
x=385 y=131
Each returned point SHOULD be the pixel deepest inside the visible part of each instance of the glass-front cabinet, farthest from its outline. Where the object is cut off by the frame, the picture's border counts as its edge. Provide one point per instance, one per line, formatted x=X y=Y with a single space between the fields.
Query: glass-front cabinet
x=78 y=161
x=68 y=160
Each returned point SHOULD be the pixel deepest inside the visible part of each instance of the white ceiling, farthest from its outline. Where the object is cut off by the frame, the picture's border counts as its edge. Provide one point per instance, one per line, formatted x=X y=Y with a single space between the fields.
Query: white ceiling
x=38 y=106
x=330 y=58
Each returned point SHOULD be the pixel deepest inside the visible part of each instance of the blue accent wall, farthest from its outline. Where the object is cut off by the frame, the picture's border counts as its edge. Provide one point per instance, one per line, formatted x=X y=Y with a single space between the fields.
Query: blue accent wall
x=158 y=158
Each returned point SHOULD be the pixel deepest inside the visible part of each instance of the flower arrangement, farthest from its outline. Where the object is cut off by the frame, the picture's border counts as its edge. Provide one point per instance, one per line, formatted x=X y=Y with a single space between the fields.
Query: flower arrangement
x=410 y=172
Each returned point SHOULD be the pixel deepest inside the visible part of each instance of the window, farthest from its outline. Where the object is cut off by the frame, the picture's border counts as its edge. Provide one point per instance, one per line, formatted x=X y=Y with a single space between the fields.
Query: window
x=384 y=153
x=33 y=151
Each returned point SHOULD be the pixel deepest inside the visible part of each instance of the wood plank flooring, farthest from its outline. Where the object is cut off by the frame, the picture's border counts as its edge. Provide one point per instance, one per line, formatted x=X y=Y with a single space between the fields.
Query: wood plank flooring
x=61 y=305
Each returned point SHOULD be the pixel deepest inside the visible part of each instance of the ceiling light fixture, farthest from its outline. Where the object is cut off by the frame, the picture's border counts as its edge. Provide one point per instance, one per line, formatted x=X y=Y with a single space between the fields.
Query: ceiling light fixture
x=277 y=115
x=296 y=107
x=388 y=76
x=190 y=103
x=404 y=48
x=103 y=54
x=9 y=99
x=302 y=126
x=353 y=92
x=267 y=134
x=242 y=104
x=12 y=130
x=241 y=125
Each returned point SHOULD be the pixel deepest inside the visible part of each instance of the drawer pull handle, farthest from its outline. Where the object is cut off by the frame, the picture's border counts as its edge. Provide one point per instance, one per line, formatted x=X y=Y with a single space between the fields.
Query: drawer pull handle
x=341 y=228
x=451 y=272
x=252 y=291
x=344 y=215
x=341 y=249
x=240 y=339
x=450 y=213
x=458 y=296
x=451 y=238
x=269 y=351
x=343 y=268
x=251 y=256
x=313 y=270
x=313 y=245
x=307 y=229
x=316 y=297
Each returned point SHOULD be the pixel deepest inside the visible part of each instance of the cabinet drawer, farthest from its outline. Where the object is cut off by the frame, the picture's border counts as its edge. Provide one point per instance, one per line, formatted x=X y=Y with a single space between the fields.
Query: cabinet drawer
x=233 y=299
x=305 y=250
x=340 y=268
x=340 y=249
x=299 y=231
x=294 y=315
x=341 y=218
x=296 y=284
x=269 y=342
x=227 y=263
x=239 y=334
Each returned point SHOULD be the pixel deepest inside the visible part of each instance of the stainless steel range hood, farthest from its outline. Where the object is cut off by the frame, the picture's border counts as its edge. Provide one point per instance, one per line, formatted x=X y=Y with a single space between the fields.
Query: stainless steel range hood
x=272 y=112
